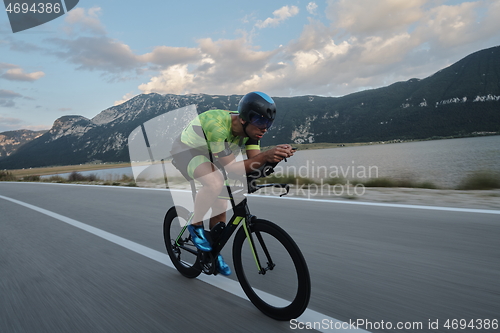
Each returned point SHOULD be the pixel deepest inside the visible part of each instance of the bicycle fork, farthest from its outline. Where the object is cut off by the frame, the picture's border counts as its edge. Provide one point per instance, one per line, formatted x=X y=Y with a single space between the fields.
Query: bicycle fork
x=251 y=242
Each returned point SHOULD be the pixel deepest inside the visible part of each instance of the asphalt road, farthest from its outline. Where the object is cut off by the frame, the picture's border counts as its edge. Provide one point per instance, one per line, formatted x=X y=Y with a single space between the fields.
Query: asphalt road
x=386 y=266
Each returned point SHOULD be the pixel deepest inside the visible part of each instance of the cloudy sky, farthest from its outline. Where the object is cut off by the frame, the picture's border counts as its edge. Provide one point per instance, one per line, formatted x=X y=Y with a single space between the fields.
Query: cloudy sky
x=104 y=52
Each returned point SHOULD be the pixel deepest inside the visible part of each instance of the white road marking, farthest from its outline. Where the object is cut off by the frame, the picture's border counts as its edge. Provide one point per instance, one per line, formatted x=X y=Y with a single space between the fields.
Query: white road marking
x=309 y=316
x=361 y=203
x=447 y=209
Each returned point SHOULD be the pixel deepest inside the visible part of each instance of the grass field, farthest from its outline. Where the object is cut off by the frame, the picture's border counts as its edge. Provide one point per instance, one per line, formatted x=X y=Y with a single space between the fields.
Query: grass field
x=66 y=169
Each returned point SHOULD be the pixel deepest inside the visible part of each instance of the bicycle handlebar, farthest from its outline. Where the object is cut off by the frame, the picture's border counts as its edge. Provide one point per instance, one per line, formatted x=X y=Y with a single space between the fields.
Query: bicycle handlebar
x=264 y=171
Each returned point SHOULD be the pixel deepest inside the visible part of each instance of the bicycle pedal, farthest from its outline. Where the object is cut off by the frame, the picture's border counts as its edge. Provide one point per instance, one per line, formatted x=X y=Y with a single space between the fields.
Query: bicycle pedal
x=207 y=261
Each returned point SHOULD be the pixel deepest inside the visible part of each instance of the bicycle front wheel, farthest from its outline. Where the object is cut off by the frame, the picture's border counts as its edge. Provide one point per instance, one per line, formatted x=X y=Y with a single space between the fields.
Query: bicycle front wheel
x=180 y=248
x=280 y=286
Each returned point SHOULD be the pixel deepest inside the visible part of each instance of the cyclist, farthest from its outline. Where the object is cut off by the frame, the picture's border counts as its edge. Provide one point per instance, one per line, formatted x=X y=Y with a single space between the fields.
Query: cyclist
x=215 y=134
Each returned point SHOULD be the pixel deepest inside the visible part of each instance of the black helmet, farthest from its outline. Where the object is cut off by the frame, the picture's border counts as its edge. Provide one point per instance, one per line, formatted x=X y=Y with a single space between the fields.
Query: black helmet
x=257 y=107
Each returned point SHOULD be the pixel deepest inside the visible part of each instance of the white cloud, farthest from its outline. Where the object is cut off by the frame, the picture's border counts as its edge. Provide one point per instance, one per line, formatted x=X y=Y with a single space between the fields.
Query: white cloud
x=97 y=53
x=314 y=35
x=378 y=50
x=16 y=73
x=368 y=17
x=173 y=80
x=279 y=16
x=489 y=27
x=233 y=58
x=84 y=20
x=449 y=26
x=220 y=67
x=168 y=56
x=125 y=98
x=311 y=8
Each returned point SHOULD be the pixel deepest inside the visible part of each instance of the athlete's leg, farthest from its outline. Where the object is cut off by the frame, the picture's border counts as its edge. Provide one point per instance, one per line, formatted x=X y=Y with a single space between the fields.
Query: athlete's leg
x=207 y=197
x=212 y=183
x=219 y=209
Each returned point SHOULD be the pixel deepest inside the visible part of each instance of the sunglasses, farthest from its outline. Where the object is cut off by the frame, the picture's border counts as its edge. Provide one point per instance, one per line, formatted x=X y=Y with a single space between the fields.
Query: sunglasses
x=261 y=122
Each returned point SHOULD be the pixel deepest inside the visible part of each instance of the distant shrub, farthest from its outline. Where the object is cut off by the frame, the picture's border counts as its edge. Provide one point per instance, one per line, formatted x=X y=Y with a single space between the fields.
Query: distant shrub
x=55 y=179
x=372 y=182
x=335 y=181
x=7 y=176
x=76 y=177
x=31 y=178
x=406 y=182
x=92 y=177
x=380 y=182
x=482 y=180
x=429 y=185
x=303 y=181
x=127 y=179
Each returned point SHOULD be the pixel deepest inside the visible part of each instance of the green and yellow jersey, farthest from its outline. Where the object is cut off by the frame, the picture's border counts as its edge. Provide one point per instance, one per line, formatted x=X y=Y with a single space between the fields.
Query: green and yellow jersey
x=212 y=130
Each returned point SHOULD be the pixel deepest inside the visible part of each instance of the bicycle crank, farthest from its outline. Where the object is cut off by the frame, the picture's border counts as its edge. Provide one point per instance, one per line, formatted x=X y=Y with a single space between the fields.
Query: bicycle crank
x=207 y=261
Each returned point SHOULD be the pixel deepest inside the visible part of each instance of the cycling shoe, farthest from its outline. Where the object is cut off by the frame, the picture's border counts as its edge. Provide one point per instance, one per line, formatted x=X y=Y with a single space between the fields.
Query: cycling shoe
x=198 y=237
x=222 y=267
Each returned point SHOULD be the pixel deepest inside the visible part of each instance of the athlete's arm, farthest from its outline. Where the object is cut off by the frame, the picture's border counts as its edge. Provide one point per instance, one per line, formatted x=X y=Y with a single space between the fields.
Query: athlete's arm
x=256 y=159
x=274 y=155
x=252 y=153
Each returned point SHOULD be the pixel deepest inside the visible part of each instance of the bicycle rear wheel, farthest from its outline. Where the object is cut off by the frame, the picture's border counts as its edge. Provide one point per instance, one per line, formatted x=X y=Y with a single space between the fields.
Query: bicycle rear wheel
x=283 y=291
x=180 y=248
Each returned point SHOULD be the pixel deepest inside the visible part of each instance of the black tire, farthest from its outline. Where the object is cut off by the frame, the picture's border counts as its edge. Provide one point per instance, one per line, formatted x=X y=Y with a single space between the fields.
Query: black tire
x=186 y=262
x=289 y=280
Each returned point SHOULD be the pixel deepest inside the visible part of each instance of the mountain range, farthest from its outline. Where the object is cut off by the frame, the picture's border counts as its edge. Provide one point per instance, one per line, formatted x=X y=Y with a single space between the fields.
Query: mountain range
x=461 y=99
x=11 y=140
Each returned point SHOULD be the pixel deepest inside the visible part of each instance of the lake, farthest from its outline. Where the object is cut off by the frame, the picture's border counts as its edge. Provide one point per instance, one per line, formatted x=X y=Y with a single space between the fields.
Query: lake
x=444 y=162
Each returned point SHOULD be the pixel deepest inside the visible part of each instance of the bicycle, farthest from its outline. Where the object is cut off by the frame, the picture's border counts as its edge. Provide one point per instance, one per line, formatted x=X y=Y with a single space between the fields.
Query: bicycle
x=285 y=272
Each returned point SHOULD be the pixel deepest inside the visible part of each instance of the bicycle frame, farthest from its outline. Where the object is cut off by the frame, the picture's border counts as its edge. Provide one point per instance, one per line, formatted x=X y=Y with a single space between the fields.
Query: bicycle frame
x=241 y=216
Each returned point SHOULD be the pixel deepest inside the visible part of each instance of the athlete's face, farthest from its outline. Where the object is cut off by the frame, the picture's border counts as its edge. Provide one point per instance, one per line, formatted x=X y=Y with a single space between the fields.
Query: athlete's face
x=255 y=132
x=258 y=126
